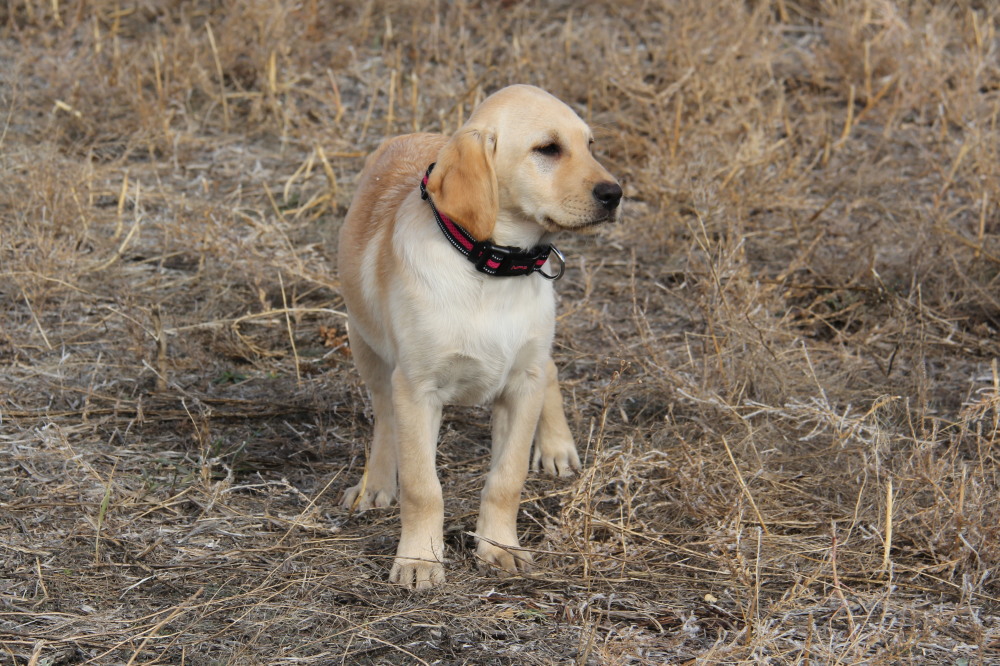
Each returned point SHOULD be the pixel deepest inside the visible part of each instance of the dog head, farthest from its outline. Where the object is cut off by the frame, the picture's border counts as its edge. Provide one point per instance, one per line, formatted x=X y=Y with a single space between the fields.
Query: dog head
x=526 y=155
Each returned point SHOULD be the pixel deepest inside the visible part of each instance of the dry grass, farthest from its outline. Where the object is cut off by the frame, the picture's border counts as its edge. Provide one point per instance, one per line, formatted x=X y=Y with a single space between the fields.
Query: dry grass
x=782 y=366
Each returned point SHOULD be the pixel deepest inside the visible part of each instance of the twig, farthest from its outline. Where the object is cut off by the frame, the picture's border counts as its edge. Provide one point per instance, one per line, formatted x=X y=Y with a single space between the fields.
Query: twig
x=743 y=485
x=887 y=545
x=121 y=248
x=102 y=513
x=159 y=625
x=161 y=349
x=222 y=78
x=836 y=579
x=291 y=336
x=34 y=318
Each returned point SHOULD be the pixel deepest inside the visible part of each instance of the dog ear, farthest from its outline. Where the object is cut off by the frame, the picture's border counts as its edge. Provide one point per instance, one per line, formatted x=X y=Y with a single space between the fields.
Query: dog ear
x=463 y=183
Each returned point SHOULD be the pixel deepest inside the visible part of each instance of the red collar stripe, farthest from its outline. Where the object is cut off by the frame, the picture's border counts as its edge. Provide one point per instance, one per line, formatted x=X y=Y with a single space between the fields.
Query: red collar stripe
x=456 y=232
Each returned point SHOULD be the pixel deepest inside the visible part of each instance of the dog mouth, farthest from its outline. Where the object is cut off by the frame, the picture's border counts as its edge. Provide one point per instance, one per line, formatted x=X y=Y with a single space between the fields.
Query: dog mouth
x=584 y=226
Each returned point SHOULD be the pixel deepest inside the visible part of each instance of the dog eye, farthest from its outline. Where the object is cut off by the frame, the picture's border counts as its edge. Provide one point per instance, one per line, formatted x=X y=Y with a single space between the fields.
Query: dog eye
x=549 y=149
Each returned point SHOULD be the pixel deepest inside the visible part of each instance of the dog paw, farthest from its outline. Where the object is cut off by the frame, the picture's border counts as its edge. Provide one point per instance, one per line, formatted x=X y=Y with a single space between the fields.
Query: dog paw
x=509 y=559
x=415 y=574
x=356 y=499
x=558 y=457
x=419 y=563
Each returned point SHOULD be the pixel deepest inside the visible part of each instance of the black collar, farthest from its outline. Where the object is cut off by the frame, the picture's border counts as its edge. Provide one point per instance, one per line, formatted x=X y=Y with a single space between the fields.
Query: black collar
x=498 y=260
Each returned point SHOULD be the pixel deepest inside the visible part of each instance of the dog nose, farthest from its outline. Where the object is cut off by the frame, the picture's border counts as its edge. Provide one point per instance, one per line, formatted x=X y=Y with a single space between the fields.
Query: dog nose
x=608 y=193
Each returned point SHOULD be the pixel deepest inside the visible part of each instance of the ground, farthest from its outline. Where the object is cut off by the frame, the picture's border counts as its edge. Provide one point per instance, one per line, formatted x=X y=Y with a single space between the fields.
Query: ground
x=781 y=366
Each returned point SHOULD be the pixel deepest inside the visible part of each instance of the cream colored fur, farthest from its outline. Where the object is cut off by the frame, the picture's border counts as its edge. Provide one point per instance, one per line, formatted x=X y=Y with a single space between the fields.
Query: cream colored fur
x=426 y=329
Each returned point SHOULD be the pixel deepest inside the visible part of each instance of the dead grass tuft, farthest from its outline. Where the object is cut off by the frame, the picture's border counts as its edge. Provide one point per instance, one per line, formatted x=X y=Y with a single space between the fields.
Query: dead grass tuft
x=782 y=367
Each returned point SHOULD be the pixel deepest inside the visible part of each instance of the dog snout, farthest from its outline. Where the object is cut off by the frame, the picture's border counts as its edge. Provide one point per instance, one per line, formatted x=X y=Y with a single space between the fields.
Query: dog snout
x=608 y=194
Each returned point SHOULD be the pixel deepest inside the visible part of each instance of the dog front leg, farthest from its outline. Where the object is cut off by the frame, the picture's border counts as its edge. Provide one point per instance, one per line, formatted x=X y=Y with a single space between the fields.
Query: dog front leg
x=555 y=450
x=419 y=560
x=515 y=416
x=377 y=487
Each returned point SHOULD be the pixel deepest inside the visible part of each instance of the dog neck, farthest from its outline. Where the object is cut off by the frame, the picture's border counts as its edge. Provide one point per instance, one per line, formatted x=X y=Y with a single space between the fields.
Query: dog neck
x=487 y=256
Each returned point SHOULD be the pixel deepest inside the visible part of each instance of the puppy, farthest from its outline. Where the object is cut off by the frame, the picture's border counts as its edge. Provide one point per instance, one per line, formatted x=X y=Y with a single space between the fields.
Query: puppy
x=447 y=278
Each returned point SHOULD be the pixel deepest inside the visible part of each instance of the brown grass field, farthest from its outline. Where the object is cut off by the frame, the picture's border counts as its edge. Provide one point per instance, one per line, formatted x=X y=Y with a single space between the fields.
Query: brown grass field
x=782 y=366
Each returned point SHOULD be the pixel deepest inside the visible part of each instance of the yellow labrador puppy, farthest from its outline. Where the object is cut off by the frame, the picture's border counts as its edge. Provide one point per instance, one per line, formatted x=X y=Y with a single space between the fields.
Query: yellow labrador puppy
x=447 y=276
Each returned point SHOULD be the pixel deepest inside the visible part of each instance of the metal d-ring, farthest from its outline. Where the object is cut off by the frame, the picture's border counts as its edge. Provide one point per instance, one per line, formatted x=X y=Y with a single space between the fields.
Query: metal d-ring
x=562 y=265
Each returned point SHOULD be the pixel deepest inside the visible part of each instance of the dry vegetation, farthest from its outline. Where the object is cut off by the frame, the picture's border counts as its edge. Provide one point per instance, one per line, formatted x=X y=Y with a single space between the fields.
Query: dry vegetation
x=782 y=366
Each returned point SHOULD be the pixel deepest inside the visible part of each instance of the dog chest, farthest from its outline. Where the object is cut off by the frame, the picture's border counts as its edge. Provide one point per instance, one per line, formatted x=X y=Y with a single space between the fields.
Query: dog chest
x=469 y=349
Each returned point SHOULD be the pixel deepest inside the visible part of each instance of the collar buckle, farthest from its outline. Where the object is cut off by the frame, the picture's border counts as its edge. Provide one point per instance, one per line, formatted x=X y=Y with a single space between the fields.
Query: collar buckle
x=489 y=258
